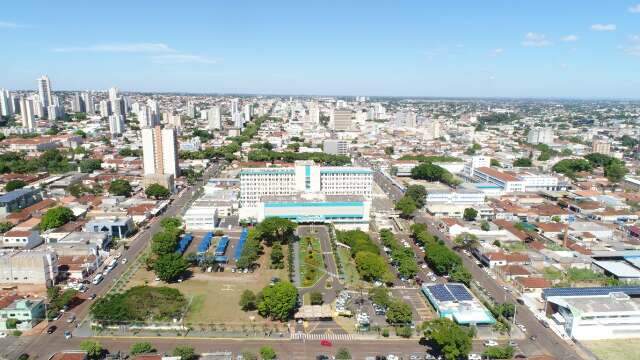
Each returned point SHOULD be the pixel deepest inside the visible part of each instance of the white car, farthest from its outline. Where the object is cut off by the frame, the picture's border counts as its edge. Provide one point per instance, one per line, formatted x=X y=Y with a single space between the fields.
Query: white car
x=424 y=266
x=124 y=261
x=522 y=327
x=490 y=343
x=3 y=334
x=474 y=357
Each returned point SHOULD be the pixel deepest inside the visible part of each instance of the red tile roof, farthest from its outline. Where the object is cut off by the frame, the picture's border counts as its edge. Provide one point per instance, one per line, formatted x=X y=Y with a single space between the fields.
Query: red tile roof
x=534 y=282
x=497 y=174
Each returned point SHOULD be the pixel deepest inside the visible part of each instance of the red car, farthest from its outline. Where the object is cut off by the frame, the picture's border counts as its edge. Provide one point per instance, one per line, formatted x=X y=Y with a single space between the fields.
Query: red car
x=325 y=342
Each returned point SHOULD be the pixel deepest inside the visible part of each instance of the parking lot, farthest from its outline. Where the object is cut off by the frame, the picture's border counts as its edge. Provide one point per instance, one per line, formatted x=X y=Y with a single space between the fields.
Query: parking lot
x=422 y=311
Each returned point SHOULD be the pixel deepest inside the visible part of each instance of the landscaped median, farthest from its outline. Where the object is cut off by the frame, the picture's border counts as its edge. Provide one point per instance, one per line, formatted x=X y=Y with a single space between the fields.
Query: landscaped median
x=311 y=261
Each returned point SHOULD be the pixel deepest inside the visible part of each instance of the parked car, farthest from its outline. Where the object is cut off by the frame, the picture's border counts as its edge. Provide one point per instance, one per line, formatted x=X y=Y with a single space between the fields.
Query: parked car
x=474 y=357
x=52 y=329
x=67 y=335
x=325 y=342
x=490 y=343
x=71 y=318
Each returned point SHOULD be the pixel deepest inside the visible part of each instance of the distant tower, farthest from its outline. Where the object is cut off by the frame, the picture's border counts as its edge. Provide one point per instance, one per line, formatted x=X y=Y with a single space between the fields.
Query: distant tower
x=26 y=110
x=214 y=121
x=113 y=93
x=44 y=90
x=5 y=103
x=160 y=151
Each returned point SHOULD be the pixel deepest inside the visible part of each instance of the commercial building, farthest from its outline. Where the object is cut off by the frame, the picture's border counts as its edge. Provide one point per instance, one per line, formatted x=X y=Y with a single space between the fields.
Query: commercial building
x=454 y=301
x=18 y=239
x=18 y=199
x=119 y=227
x=37 y=270
x=508 y=182
x=341 y=119
x=160 y=155
x=595 y=313
x=336 y=147
x=601 y=146
x=455 y=197
x=539 y=135
x=214 y=121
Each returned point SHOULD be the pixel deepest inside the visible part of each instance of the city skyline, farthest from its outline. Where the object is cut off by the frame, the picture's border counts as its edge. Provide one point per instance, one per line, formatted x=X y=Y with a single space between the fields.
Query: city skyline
x=407 y=49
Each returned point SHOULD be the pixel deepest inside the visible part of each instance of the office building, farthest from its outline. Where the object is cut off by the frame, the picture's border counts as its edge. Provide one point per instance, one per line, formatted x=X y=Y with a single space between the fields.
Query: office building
x=44 y=91
x=36 y=270
x=601 y=146
x=175 y=121
x=26 y=112
x=5 y=103
x=116 y=124
x=336 y=147
x=341 y=119
x=160 y=156
x=214 y=120
x=595 y=313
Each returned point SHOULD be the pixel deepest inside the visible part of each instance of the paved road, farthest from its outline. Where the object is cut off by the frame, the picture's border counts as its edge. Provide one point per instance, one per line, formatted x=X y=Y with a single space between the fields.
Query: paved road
x=41 y=344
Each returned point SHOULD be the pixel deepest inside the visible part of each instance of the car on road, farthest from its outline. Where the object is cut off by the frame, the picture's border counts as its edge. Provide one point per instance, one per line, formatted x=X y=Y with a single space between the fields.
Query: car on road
x=124 y=261
x=533 y=338
x=490 y=343
x=522 y=328
x=52 y=329
x=3 y=334
x=473 y=356
x=92 y=296
x=325 y=342
x=67 y=334
x=71 y=318
x=513 y=343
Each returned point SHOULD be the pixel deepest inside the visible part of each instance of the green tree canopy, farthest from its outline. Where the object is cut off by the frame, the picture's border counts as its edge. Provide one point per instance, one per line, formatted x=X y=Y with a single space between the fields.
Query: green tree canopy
x=120 y=187
x=343 y=354
x=278 y=301
x=56 y=217
x=93 y=348
x=522 y=162
x=169 y=267
x=157 y=191
x=185 y=352
x=275 y=229
x=267 y=353
x=398 y=312
x=370 y=266
x=448 y=338
x=248 y=300
x=470 y=214
x=141 y=348
x=407 y=206
x=418 y=193
x=615 y=172
x=14 y=185
x=90 y=165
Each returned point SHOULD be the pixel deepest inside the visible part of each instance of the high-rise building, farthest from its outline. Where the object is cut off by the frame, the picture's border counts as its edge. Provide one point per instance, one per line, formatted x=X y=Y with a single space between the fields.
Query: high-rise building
x=117 y=106
x=26 y=111
x=5 y=105
x=540 y=135
x=44 y=91
x=175 y=121
x=341 y=119
x=87 y=99
x=76 y=103
x=191 y=109
x=104 y=108
x=116 y=124
x=314 y=113
x=601 y=146
x=336 y=147
x=247 y=112
x=214 y=121
x=234 y=108
x=154 y=108
x=405 y=119
x=160 y=151
x=432 y=130
x=113 y=93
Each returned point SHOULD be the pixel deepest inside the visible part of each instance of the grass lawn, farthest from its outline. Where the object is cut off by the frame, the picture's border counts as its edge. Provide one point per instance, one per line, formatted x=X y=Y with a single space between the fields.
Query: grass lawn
x=623 y=349
x=213 y=297
x=311 y=261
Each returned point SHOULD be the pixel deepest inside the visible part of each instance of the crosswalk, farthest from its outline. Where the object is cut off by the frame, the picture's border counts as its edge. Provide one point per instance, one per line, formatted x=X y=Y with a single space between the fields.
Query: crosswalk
x=315 y=336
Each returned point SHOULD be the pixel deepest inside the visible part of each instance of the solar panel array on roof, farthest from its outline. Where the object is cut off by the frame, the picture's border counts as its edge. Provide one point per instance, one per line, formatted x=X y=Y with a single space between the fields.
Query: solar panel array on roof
x=459 y=292
x=441 y=293
x=590 y=291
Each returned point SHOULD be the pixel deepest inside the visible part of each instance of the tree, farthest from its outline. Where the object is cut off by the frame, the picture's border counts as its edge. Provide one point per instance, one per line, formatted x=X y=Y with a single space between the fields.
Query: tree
x=461 y=275
x=185 y=352
x=141 y=348
x=418 y=193
x=276 y=229
x=484 y=226
x=277 y=256
x=120 y=187
x=169 y=267
x=56 y=217
x=556 y=218
x=267 y=353
x=248 y=300
x=165 y=242
x=90 y=165
x=522 y=162
x=5 y=226
x=407 y=206
x=498 y=352
x=615 y=172
x=380 y=296
x=448 y=338
x=398 y=312
x=470 y=214
x=157 y=191
x=278 y=301
x=370 y=266
x=14 y=185
x=441 y=259
x=316 y=298
x=248 y=355
x=343 y=354
x=171 y=223
x=93 y=349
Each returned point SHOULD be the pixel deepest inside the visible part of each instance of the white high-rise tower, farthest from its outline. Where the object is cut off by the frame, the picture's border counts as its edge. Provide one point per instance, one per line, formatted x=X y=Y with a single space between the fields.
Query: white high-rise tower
x=26 y=111
x=44 y=90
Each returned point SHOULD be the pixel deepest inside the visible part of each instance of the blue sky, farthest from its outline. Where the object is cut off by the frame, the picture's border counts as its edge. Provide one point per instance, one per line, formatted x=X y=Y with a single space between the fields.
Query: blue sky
x=518 y=48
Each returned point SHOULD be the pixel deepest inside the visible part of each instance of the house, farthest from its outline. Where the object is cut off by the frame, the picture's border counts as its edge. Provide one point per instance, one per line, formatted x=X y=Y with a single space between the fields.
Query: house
x=69 y=355
x=115 y=226
x=511 y=272
x=531 y=284
x=77 y=267
x=26 y=312
x=493 y=259
x=551 y=230
x=452 y=226
x=18 y=239
x=18 y=199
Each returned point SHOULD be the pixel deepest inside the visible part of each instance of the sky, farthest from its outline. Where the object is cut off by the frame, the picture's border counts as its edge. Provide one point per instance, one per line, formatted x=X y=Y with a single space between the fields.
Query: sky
x=472 y=48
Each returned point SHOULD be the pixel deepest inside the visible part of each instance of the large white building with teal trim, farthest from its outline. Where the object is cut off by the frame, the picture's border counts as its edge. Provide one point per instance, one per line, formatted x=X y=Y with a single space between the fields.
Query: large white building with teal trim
x=307 y=192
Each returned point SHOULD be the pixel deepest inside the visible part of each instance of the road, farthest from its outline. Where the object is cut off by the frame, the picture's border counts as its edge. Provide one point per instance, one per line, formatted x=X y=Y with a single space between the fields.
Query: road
x=41 y=345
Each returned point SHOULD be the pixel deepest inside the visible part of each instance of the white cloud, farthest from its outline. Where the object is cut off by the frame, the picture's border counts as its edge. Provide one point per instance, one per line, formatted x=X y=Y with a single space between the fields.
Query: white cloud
x=570 y=38
x=10 y=25
x=603 y=27
x=635 y=9
x=182 y=59
x=633 y=48
x=120 y=48
x=497 y=52
x=532 y=39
